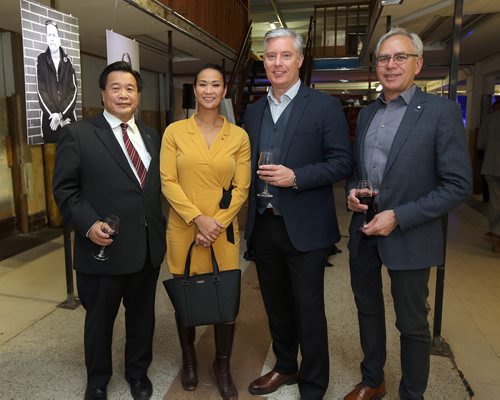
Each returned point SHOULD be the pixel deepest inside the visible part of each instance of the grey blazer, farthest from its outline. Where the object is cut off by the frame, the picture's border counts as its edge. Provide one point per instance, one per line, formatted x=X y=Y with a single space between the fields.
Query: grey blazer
x=427 y=174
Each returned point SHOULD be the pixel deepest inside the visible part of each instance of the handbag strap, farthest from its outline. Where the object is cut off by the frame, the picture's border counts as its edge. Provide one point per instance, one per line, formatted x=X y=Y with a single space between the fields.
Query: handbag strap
x=187 y=266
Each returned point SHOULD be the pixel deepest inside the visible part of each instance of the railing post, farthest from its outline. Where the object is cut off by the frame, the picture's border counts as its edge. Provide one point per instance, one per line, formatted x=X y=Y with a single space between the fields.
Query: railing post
x=439 y=345
x=71 y=302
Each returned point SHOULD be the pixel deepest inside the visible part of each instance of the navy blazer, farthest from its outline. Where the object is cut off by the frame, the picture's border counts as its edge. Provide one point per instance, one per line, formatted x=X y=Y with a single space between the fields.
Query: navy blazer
x=427 y=174
x=316 y=147
x=92 y=179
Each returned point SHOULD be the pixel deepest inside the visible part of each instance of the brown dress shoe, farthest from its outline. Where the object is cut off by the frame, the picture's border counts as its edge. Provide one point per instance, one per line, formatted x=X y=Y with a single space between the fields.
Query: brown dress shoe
x=363 y=392
x=271 y=382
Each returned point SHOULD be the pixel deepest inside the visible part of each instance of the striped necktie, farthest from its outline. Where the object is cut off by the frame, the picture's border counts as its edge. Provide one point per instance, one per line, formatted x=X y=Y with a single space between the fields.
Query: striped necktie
x=134 y=156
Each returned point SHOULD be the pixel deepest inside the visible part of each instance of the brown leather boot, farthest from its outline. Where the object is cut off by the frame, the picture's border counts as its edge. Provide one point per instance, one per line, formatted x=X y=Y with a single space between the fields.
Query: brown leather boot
x=224 y=334
x=189 y=372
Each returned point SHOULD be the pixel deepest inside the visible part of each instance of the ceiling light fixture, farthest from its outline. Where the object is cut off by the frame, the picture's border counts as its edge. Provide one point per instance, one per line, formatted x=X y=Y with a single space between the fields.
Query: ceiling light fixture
x=390 y=2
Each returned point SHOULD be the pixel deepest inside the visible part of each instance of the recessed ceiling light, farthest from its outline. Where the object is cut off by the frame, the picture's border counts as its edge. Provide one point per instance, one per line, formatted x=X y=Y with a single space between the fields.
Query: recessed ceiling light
x=390 y=2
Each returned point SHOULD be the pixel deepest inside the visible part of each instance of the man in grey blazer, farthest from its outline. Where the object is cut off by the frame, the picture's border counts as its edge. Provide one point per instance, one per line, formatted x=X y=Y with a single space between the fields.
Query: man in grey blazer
x=110 y=165
x=293 y=231
x=412 y=147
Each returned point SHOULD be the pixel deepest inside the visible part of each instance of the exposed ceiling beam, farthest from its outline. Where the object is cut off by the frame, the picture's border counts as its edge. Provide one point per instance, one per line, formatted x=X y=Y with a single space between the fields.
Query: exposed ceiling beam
x=278 y=13
x=422 y=13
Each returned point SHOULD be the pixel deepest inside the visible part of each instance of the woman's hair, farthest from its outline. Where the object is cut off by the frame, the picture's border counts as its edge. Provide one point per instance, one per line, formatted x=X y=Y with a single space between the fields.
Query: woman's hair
x=211 y=66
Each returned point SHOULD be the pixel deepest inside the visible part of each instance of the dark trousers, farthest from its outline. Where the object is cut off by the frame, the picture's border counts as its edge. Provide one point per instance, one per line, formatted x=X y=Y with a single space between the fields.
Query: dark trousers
x=101 y=296
x=409 y=289
x=292 y=286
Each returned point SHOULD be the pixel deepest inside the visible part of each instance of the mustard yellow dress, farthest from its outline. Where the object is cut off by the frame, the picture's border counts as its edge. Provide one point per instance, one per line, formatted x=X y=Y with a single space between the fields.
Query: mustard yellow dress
x=192 y=178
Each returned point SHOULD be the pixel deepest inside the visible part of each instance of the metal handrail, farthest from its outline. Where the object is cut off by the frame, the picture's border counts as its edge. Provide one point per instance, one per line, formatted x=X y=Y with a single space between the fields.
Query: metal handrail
x=234 y=86
x=306 y=70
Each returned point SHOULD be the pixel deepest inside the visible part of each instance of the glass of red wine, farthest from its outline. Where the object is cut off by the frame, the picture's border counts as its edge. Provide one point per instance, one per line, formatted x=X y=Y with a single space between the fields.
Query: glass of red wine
x=365 y=194
x=110 y=226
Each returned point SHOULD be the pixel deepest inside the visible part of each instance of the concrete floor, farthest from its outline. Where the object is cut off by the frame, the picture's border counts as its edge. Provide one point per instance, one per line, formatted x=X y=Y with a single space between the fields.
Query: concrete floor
x=41 y=350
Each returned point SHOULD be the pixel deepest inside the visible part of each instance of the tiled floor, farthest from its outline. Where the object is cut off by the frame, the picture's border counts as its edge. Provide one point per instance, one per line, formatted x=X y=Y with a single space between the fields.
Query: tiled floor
x=41 y=355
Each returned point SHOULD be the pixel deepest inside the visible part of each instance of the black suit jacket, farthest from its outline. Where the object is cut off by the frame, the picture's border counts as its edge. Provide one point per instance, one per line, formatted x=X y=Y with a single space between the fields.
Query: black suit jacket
x=316 y=147
x=92 y=179
x=57 y=91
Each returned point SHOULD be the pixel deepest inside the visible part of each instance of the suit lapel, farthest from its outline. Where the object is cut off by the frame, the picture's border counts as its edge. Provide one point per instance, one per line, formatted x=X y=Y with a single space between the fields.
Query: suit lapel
x=106 y=135
x=254 y=130
x=407 y=126
x=299 y=105
x=221 y=139
x=197 y=138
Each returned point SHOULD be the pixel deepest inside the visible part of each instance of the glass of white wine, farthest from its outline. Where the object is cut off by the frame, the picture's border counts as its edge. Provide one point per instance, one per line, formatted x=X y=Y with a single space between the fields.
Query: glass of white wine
x=266 y=158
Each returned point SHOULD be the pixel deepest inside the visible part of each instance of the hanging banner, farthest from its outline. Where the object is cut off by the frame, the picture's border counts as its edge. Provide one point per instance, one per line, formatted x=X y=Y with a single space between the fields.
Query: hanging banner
x=52 y=71
x=121 y=48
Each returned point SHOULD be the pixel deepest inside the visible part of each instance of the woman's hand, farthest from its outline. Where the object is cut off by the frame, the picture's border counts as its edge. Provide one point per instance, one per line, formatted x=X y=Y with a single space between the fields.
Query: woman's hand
x=208 y=227
x=200 y=240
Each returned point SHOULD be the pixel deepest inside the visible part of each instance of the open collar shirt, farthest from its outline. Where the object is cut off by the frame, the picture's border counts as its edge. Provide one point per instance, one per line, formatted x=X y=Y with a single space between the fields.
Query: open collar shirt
x=381 y=133
x=278 y=106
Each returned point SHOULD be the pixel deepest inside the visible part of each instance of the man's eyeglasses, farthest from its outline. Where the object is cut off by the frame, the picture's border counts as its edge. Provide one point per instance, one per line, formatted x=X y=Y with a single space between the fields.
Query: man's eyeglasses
x=399 y=59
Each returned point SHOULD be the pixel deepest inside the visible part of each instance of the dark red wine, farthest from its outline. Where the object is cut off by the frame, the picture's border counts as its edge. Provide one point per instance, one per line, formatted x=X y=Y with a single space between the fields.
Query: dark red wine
x=111 y=233
x=367 y=200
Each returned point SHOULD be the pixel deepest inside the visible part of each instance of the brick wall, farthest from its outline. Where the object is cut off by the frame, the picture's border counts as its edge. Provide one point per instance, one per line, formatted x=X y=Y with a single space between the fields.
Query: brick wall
x=33 y=17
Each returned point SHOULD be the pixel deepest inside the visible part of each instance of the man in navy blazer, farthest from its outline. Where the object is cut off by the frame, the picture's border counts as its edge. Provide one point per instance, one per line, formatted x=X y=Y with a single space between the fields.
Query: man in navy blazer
x=292 y=232
x=94 y=176
x=412 y=147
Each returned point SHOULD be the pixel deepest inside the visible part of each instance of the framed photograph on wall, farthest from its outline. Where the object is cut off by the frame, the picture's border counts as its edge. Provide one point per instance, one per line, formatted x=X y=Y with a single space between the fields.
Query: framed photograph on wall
x=52 y=71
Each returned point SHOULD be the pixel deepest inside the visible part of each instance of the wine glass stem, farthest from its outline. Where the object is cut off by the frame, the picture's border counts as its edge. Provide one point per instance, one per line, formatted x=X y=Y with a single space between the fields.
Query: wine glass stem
x=265 y=188
x=101 y=252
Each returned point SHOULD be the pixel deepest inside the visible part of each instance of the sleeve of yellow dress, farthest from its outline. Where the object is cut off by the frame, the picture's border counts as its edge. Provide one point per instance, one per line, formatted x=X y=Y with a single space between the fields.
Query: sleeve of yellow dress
x=170 y=186
x=240 y=183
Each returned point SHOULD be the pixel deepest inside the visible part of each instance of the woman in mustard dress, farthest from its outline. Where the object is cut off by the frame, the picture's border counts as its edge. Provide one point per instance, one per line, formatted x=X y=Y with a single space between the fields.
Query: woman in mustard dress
x=200 y=157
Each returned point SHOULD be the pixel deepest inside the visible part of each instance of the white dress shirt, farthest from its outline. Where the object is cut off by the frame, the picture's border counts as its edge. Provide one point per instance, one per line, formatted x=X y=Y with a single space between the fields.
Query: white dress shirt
x=277 y=107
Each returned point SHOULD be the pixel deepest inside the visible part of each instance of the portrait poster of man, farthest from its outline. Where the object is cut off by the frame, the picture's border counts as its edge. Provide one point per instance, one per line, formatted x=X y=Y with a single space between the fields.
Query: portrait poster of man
x=52 y=71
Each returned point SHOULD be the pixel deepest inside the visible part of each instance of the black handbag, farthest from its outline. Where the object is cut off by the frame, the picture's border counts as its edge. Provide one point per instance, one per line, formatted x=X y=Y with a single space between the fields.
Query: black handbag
x=205 y=299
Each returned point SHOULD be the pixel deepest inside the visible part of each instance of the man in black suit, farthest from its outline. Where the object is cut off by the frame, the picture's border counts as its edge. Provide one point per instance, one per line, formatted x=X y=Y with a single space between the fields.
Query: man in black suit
x=56 y=86
x=412 y=147
x=110 y=165
x=293 y=231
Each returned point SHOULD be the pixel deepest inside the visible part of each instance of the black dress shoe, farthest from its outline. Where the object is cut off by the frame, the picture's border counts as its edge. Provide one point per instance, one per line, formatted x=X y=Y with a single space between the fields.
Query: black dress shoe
x=95 y=394
x=141 y=389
